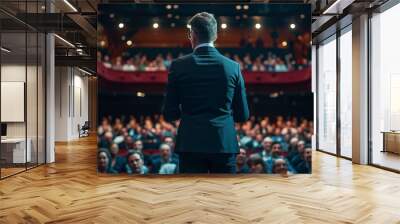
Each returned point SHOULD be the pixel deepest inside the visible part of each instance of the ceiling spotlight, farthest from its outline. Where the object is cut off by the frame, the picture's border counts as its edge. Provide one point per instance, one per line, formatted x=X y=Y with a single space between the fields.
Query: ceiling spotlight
x=223 y=26
x=246 y=7
x=284 y=43
x=112 y=15
x=176 y=6
x=140 y=94
x=169 y=15
x=129 y=43
x=257 y=26
x=121 y=25
x=238 y=7
x=302 y=16
x=155 y=25
x=244 y=16
x=123 y=37
x=172 y=24
x=43 y=7
x=292 y=26
x=102 y=43
x=188 y=26
x=168 y=6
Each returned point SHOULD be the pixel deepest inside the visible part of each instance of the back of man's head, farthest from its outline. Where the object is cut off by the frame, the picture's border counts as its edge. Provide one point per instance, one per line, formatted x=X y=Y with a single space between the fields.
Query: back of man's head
x=204 y=26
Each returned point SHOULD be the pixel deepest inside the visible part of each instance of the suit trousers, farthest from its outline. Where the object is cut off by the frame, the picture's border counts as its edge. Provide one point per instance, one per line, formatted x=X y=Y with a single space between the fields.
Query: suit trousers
x=197 y=162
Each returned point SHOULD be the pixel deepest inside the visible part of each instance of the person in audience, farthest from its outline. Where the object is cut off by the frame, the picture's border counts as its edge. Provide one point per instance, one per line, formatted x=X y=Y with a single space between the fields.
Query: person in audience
x=135 y=164
x=117 y=162
x=168 y=60
x=103 y=161
x=256 y=164
x=280 y=167
x=164 y=157
x=267 y=143
x=241 y=162
x=304 y=165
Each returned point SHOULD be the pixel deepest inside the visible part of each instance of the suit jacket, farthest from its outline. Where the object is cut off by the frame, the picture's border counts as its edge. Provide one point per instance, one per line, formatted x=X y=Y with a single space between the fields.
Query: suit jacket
x=206 y=91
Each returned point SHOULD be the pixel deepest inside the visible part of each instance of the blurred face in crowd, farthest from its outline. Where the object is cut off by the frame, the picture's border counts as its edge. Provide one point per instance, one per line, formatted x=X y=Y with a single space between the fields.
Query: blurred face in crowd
x=169 y=141
x=138 y=145
x=276 y=150
x=103 y=161
x=267 y=144
x=165 y=152
x=108 y=136
x=257 y=167
x=135 y=162
x=307 y=154
x=300 y=146
x=280 y=166
x=241 y=157
x=114 y=149
x=294 y=141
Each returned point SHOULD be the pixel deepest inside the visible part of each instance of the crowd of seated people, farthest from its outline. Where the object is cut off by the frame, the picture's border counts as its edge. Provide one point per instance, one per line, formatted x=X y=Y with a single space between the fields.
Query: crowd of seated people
x=146 y=145
x=262 y=63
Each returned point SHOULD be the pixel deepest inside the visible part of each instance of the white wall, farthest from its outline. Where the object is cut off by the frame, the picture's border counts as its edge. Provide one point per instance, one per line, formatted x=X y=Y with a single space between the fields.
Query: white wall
x=71 y=102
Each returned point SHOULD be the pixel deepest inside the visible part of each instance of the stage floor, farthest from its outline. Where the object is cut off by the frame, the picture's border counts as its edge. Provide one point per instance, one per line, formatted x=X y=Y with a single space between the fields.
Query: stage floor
x=69 y=191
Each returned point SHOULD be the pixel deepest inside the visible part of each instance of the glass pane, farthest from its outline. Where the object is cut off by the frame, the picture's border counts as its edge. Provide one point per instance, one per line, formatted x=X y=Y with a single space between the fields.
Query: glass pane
x=346 y=94
x=327 y=96
x=385 y=84
x=41 y=98
x=13 y=86
x=32 y=96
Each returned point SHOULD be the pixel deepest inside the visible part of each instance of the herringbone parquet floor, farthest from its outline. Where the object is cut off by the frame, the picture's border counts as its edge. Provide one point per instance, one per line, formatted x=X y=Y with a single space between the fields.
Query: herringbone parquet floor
x=70 y=191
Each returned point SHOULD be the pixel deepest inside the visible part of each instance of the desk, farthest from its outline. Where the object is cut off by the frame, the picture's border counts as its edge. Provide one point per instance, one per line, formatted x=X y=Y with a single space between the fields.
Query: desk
x=391 y=141
x=13 y=150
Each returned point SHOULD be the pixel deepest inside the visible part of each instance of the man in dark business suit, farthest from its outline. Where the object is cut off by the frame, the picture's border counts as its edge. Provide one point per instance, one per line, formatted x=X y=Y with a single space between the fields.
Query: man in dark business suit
x=206 y=91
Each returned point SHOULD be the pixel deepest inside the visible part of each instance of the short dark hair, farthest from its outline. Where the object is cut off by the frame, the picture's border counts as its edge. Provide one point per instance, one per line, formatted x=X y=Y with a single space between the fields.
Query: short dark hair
x=204 y=25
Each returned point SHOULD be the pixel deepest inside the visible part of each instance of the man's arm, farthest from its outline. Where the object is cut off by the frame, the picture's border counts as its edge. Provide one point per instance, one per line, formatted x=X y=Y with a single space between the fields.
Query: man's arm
x=171 y=109
x=239 y=105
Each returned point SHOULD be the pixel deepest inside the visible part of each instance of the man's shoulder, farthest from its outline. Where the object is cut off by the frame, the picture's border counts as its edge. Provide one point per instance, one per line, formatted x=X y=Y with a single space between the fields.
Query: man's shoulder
x=229 y=61
x=182 y=59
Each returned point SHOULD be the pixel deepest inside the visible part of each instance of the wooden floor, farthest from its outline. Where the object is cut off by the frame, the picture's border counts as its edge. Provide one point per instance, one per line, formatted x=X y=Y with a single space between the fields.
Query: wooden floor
x=70 y=191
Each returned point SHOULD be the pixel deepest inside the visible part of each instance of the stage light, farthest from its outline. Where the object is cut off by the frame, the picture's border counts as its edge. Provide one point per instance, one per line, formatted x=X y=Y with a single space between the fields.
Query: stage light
x=176 y=6
x=246 y=7
x=223 y=26
x=121 y=25
x=5 y=50
x=140 y=94
x=292 y=26
x=155 y=25
x=257 y=26
x=238 y=7
x=168 y=6
x=284 y=43
x=102 y=43
x=43 y=7
x=188 y=26
x=129 y=43
x=70 y=5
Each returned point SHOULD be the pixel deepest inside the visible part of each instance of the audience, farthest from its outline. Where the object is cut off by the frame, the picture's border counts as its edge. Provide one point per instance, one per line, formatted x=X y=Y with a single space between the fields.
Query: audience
x=270 y=63
x=146 y=145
